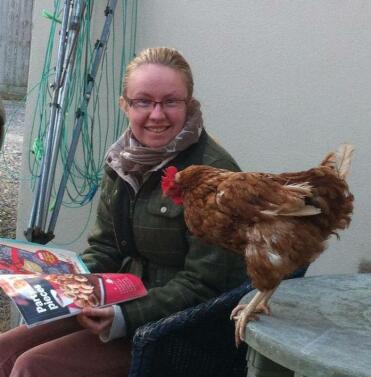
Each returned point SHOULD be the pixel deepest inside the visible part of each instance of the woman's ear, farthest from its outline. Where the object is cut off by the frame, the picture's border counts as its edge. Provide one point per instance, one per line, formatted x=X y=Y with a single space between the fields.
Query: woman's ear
x=124 y=106
x=192 y=102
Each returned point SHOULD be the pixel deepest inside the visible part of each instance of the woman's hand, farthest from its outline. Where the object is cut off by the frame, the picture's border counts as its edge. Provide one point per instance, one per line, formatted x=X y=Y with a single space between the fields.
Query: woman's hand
x=97 y=320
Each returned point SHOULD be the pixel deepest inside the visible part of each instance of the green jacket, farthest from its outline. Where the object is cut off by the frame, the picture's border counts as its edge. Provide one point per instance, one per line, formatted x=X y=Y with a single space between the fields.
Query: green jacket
x=145 y=234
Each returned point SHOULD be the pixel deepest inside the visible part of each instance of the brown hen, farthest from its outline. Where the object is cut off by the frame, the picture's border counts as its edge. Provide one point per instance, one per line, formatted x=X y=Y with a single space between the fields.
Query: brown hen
x=279 y=222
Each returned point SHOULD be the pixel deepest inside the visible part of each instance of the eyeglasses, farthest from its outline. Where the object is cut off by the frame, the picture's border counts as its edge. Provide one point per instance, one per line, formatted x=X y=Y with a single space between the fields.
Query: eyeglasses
x=143 y=104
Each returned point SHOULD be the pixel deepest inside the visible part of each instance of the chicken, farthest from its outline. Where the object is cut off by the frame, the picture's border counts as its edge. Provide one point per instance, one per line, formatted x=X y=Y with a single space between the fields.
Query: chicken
x=279 y=222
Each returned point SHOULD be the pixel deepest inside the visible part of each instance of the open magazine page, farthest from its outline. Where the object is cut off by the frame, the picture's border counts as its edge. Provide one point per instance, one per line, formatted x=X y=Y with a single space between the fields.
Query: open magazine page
x=47 y=297
x=18 y=257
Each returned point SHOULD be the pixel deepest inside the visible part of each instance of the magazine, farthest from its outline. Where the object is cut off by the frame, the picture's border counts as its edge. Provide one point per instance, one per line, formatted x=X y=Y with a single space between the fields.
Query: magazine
x=42 y=298
x=17 y=257
x=48 y=283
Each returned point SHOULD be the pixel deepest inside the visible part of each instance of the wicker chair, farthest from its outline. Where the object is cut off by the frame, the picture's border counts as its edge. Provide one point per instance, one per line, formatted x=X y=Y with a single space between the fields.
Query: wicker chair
x=196 y=342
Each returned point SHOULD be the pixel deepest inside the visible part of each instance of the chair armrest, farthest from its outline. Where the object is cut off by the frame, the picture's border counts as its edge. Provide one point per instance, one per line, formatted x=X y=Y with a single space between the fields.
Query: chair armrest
x=190 y=317
x=197 y=341
x=184 y=333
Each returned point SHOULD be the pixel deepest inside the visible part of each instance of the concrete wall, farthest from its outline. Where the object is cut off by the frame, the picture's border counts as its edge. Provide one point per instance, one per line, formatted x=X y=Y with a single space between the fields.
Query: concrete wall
x=72 y=223
x=281 y=84
x=15 y=40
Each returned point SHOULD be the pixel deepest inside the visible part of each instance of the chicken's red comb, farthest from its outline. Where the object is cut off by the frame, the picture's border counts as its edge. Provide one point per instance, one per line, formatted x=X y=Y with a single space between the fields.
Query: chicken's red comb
x=170 y=172
x=167 y=180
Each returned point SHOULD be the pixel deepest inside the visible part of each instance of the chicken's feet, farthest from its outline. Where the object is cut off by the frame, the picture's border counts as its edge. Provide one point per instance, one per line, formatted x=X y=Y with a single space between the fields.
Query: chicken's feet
x=263 y=306
x=242 y=314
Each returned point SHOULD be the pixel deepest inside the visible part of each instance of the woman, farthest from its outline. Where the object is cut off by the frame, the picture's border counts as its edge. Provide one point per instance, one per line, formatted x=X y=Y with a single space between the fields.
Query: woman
x=137 y=230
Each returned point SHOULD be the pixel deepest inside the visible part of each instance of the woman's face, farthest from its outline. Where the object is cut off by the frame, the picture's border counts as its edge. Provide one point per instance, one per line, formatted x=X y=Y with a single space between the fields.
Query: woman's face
x=156 y=126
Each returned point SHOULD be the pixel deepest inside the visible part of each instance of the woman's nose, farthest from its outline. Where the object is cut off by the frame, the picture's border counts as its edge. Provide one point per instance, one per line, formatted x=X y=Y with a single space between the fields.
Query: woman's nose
x=157 y=111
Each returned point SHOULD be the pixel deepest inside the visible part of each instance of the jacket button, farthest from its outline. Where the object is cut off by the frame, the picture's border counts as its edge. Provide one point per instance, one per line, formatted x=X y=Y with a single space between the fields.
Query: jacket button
x=123 y=243
x=163 y=209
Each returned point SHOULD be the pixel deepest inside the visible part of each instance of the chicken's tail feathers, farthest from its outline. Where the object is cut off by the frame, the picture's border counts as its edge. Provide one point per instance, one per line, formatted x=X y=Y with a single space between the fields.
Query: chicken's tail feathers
x=343 y=159
x=340 y=160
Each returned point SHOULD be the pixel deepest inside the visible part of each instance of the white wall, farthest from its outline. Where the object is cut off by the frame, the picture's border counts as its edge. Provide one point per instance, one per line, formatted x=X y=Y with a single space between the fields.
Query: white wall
x=281 y=84
x=15 y=41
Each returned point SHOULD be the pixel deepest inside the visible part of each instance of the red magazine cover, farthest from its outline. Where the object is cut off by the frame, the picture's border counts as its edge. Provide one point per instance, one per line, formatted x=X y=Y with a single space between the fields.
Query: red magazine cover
x=43 y=298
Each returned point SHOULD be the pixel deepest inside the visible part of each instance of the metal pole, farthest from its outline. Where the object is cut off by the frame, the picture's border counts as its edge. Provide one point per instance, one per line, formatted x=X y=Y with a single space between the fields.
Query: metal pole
x=99 y=49
x=73 y=32
x=39 y=207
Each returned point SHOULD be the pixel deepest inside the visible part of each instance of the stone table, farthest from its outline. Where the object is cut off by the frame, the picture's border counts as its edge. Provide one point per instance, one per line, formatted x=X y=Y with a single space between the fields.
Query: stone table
x=320 y=327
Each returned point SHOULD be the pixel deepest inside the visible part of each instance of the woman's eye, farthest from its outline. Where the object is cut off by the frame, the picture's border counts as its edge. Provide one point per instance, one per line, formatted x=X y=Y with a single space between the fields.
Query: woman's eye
x=143 y=102
x=171 y=102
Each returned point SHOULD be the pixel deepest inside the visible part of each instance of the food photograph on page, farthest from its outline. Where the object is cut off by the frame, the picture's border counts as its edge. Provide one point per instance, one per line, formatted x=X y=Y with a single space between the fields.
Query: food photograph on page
x=47 y=297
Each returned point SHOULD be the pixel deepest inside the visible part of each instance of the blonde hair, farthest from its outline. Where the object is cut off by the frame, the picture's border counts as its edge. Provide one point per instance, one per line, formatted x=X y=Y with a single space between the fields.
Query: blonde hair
x=168 y=57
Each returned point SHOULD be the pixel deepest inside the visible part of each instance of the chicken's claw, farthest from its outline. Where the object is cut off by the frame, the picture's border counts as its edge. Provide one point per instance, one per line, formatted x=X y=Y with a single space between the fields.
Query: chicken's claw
x=241 y=320
x=263 y=308
x=235 y=312
x=243 y=313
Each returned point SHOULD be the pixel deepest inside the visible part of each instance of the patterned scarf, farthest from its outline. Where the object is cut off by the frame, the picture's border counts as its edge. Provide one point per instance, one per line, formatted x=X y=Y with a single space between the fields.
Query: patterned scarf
x=133 y=162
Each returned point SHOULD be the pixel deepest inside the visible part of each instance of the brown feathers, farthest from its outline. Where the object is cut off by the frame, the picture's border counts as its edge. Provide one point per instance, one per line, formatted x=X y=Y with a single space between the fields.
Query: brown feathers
x=280 y=222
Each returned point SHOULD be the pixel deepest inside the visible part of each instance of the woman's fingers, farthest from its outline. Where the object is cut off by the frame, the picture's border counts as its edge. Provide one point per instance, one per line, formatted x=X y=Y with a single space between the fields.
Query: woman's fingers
x=97 y=320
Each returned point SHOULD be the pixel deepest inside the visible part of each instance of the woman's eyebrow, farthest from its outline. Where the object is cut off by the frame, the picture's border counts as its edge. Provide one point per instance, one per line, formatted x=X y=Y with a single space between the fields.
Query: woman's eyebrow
x=167 y=95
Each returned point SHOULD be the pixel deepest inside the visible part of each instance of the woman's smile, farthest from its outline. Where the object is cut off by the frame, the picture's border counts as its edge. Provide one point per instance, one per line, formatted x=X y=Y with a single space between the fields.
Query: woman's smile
x=157 y=129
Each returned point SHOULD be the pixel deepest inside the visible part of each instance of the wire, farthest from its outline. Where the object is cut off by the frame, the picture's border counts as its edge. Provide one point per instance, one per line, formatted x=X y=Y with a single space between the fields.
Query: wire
x=86 y=171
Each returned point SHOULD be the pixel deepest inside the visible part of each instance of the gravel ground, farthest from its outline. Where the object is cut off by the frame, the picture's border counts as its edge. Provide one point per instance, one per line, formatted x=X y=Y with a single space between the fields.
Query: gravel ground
x=10 y=163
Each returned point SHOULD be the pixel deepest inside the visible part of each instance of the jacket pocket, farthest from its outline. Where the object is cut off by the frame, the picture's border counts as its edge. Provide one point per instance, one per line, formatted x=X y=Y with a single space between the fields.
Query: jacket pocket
x=159 y=231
